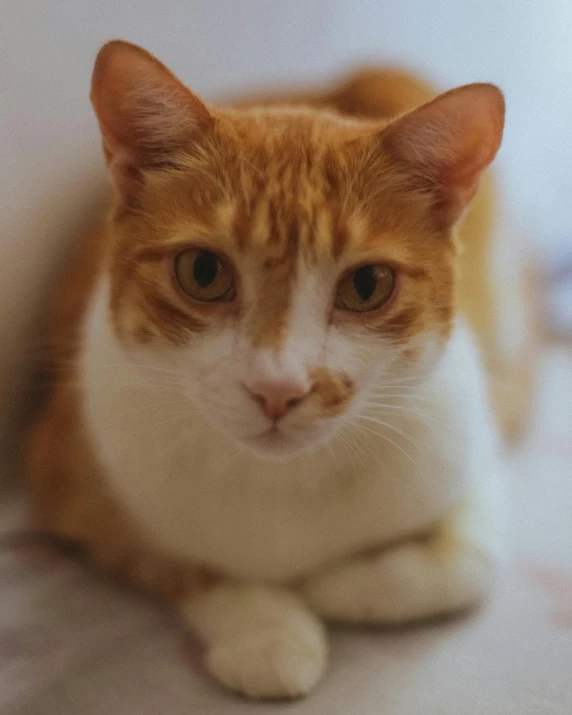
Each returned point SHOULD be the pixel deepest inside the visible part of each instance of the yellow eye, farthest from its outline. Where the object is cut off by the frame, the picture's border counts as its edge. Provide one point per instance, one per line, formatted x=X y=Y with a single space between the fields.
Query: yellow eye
x=204 y=276
x=366 y=288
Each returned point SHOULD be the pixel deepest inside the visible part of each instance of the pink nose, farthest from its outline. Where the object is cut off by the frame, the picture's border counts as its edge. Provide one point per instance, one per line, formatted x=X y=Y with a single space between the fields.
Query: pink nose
x=277 y=397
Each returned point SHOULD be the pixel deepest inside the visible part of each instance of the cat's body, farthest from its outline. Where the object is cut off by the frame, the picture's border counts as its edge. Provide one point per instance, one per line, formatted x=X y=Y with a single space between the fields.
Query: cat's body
x=389 y=516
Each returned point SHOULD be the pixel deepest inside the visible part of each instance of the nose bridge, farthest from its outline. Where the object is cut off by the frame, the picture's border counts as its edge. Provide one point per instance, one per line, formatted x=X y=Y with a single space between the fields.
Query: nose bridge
x=277 y=365
x=272 y=311
x=292 y=358
x=286 y=326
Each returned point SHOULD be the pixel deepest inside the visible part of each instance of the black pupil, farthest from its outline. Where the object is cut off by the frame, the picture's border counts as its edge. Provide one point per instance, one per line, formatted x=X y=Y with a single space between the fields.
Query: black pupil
x=365 y=281
x=205 y=268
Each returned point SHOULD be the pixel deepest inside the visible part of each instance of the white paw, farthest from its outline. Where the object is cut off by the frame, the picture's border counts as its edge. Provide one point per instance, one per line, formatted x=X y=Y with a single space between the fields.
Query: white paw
x=260 y=641
x=270 y=663
x=407 y=583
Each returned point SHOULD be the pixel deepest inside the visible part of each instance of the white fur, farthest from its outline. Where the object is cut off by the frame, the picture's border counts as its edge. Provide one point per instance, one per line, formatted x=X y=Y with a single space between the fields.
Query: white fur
x=266 y=642
x=180 y=442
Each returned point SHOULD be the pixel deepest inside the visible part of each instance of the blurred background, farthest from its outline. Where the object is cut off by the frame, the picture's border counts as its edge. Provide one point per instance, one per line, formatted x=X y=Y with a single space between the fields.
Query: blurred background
x=50 y=162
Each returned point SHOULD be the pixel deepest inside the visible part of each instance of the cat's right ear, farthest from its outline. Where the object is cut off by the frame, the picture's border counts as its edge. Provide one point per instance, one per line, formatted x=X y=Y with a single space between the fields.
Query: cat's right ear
x=146 y=115
x=445 y=145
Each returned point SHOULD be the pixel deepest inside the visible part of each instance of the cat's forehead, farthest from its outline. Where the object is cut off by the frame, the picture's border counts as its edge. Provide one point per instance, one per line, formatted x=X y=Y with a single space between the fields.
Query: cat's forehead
x=279 y=184
x=295 y=188
x=298 y=153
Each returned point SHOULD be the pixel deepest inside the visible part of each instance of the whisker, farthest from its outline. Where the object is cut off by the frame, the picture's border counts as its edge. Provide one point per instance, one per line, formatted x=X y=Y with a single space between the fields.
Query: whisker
x=411 y=388
x=358 y=453
x=348 y=452
x=409 y=396
x=423 y=418
x=387 y=439
x=392 y=427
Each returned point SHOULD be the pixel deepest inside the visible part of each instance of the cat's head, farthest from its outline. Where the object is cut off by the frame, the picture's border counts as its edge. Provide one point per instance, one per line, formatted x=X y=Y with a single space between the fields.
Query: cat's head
x=281 y=265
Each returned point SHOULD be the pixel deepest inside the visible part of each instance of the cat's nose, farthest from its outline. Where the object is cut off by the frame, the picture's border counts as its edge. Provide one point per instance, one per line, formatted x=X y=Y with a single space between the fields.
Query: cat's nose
x=276 y=397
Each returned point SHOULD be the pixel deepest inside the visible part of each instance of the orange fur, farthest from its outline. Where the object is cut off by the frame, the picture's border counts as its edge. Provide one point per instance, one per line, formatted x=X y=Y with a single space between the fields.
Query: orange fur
x=266 y=182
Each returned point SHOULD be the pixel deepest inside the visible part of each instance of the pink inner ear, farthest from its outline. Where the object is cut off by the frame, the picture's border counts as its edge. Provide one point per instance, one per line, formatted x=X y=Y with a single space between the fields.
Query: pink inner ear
x=144 y=111
x=463 y=178
x=448 y=142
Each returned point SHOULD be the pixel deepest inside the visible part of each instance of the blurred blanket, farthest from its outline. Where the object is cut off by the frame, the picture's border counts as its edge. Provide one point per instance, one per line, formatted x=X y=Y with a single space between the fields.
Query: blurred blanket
x=72 y=643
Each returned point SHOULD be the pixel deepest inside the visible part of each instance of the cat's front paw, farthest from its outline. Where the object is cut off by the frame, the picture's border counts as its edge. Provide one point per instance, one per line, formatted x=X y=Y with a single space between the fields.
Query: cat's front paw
x=260 y=641
x=270 y=663
x=405 y=583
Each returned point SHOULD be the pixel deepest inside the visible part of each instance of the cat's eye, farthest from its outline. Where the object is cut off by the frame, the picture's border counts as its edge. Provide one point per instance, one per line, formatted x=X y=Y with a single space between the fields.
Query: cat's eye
x=204 y=276
x=365 y=288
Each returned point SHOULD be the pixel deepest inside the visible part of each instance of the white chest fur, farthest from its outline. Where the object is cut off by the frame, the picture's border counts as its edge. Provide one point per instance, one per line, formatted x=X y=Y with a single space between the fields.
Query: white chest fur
x=197 y=495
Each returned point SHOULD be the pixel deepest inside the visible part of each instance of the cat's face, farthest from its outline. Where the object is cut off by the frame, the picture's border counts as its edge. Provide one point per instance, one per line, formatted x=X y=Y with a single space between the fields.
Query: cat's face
x=283 y=304
x=281 y=267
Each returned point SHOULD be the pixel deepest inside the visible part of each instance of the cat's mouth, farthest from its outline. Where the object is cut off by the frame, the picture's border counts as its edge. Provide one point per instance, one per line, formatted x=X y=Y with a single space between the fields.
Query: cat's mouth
x=272 y=436
x=276 y=442
x=273 y=442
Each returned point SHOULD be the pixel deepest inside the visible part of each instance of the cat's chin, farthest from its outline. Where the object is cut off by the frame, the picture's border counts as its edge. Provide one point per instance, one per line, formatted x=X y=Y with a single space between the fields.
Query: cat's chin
x=278 y=445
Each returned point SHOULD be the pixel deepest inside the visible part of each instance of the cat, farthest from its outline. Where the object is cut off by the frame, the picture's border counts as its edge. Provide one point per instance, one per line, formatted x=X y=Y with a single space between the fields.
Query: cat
x=268 y=407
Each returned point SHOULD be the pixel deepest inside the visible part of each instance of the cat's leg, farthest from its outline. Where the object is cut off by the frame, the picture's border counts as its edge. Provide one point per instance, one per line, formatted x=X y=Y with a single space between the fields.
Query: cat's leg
x=260 y=641
x=447 y=570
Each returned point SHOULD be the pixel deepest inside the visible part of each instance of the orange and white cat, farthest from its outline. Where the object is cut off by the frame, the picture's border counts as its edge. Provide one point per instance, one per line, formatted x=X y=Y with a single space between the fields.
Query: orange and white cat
x=271 y=409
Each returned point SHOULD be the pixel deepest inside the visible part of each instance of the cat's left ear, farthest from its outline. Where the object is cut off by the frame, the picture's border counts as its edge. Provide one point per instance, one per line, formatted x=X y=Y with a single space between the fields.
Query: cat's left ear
x=446 y=144
x=146 y=115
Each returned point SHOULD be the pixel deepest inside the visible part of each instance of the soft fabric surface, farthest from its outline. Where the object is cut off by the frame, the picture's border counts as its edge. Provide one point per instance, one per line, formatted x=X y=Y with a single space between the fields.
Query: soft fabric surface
x=71 y=643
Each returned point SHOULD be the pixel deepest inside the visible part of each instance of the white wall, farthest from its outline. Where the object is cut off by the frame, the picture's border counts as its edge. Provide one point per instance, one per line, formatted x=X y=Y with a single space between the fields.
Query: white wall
x=50 y=165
